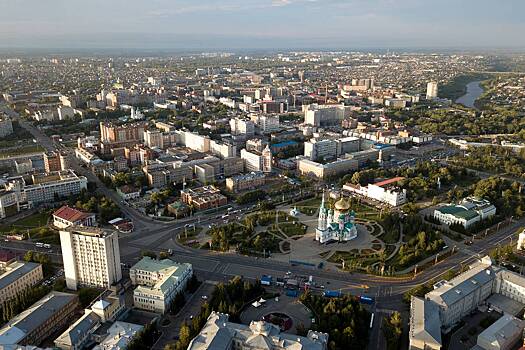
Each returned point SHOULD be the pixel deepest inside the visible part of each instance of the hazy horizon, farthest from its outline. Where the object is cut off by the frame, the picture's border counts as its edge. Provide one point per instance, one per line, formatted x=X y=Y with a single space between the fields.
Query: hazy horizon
x=261 y=24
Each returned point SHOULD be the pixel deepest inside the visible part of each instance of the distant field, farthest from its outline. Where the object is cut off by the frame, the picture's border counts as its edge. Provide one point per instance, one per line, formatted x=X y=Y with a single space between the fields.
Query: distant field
x=27 y=149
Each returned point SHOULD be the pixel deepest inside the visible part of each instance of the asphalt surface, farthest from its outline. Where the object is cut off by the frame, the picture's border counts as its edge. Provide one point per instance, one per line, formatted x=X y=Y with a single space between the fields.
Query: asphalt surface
x=159 y=236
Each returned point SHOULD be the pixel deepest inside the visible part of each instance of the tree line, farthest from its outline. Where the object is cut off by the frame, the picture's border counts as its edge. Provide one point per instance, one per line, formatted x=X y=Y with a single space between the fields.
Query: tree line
x=344 y=319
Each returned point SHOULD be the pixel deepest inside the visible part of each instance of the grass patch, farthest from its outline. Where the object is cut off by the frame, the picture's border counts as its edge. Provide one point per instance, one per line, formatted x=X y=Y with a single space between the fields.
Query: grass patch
x=33 y=148
x=32 y=221
x=293 y=229
x=309 y=206
x=356 y=260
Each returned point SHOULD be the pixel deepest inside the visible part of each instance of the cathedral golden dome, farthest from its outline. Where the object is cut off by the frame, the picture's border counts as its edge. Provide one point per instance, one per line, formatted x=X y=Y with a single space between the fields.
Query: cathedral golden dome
x=342 y=204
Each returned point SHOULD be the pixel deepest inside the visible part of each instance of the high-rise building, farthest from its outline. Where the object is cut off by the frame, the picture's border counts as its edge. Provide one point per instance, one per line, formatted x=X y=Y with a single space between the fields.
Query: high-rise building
x=153 y=138
x=432 y=90
x=91 y=257
x=110 y=132
x=52 y=162
x=258 y=161
x=242 y=127
x=266 y=123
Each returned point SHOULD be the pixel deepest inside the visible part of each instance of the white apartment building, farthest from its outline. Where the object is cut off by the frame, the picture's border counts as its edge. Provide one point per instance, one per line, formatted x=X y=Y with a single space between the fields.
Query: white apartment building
x=46 y=187
x=322 y=171
x=91 y=257
x=240 y=126
x=158 y=282
x=17 y=277
x=322 y=115
x=154 y=138
x=317 y=149
x=266 y=123
x=65 y=112
x=432 y=90
x=255 y=161
x=223 y=149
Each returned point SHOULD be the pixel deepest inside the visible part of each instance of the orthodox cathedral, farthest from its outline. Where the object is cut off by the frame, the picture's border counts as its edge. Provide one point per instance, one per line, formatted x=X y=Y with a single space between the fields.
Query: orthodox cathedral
x=336 y=224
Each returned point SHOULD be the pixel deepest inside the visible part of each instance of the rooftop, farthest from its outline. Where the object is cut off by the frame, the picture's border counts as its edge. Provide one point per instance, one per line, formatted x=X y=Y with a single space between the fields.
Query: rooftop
x=71 y=214
x=389 y=181
x=16 y=270
x=33 y=317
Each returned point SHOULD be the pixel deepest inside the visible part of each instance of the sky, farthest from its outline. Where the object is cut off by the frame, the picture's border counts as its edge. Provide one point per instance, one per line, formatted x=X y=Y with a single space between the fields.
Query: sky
x=262 y=24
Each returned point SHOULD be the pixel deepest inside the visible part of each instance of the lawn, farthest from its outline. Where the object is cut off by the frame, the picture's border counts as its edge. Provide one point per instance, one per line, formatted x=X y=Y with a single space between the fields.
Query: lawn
x=32 y=148
x=309 y=206
x=292 y=229
x=32 y=221
x=354 y=259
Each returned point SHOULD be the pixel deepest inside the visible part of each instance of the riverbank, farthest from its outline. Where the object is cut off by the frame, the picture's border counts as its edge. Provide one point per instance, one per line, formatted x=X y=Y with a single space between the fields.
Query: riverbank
x=458 y=86
x=474 y=92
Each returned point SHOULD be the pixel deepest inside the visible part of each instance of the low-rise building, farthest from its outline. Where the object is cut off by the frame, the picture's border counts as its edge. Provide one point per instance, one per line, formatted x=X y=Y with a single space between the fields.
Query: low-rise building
x=466 y=213
x=16 y=277
x=205 y=197
x=40 y=320
x=324 y=171
x=258 y=161
x=219 y=333
x=452 y=300
x=46 y=188
x=119 y=335
x=158 y=282
x=504 y=334
x=66 y=216
x=78 y=335
x=81 y=333
x=384 y=191
x=245 y=181
x=9 y=203
x=128 y=192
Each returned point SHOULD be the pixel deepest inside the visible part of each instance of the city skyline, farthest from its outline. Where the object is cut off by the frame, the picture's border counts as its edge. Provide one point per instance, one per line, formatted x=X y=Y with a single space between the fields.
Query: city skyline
x=265 y=24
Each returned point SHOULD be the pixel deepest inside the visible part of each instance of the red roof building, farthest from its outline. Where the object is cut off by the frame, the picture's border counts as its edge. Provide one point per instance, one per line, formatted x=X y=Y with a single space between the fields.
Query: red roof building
x=66 y=216
x=389 y=181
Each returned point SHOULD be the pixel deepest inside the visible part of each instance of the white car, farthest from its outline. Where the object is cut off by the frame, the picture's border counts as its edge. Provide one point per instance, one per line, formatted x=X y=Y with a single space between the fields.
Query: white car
x=204 y=297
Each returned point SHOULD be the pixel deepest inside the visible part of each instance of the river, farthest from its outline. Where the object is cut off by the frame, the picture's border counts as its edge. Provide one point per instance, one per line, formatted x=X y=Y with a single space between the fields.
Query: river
x=474 y=91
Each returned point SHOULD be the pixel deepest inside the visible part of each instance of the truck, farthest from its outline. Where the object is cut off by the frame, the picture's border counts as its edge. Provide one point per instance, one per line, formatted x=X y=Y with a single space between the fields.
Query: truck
x=332 y=294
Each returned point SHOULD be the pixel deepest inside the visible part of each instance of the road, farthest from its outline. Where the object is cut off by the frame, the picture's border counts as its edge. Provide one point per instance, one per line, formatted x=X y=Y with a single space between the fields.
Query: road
x=208 y=265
